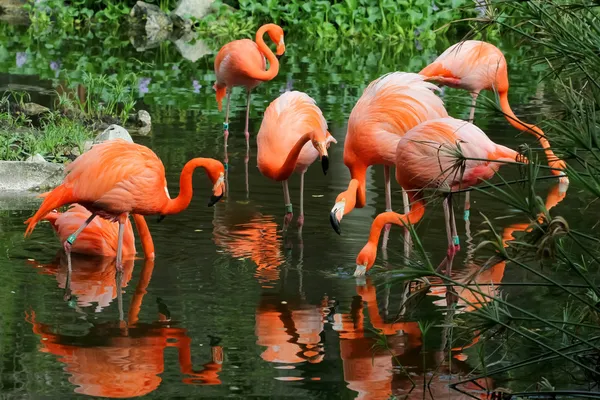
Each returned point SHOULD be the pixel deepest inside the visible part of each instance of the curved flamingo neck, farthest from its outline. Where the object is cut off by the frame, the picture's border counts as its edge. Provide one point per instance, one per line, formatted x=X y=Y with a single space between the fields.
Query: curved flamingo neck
x=145 y=237
x=269 y=55
x=525 y=127
x=182 y=201
x=289 y=164
x=412 y=217
x=140 y=290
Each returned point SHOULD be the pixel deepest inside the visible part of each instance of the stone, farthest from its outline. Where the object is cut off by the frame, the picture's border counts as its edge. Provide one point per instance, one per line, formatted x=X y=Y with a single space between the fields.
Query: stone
x=192 y=50
x=87 y=145
x=193 y=8
x=33 y=109
x=37 y=158
x=113 y=132
x=156 y=24
x=180 y=24
x=143 y=119
x=13 y=12
x=18 y=176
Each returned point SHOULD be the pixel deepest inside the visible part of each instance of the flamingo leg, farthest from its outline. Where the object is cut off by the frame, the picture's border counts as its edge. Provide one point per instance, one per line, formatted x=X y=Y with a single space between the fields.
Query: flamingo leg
x=226 y=124
x=246 y=131
x=119 y=264
x=246 y=166
x=450 y=232
x=473 y=103
x=119 y=280
x=71 y=239
x=388 y=204
x=301 y=216
x=407 y=239
x=467 y=206
x=289 y=211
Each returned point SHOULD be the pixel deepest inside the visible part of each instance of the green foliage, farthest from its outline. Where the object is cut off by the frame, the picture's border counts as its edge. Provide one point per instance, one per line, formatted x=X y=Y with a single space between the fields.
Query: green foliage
x=373 y=20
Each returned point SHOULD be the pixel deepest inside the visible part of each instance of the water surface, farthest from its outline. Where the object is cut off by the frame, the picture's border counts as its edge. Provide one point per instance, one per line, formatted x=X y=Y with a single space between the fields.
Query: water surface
x=282 y=308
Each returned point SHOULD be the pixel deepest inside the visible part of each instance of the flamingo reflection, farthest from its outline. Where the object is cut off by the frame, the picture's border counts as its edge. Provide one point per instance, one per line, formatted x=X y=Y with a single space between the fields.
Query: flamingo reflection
x=92 y=281
x=125 y=362
x=369 y=370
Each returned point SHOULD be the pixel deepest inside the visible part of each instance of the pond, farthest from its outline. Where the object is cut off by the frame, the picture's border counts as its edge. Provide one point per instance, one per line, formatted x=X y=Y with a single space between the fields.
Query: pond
x=233 y=306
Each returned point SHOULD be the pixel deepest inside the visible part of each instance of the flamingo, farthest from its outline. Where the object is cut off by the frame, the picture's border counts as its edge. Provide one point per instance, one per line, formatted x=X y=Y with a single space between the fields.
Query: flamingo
x=290 y=121
x=426 y=157
x=117 y=178
x=475 y=66
x=100 y=237
x=389 y=107
x=242 y=63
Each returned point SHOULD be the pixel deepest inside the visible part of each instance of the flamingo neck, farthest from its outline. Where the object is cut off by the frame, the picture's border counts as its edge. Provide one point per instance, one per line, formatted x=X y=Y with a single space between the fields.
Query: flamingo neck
x=269 y=55
x=182 y=201
x=140 y=290
x=290 y=162
x=525 y=127
x=349 y=196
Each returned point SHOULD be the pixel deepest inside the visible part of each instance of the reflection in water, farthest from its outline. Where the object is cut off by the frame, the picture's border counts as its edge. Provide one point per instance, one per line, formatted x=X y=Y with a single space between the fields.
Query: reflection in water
x=291 y=332
x=93 y=279
x=121 y=360
x=369 y=370
x=244 y=233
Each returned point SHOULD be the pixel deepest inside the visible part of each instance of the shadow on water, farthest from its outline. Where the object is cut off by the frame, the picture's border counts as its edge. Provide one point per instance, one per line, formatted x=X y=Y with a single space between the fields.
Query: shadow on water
x=265 y=312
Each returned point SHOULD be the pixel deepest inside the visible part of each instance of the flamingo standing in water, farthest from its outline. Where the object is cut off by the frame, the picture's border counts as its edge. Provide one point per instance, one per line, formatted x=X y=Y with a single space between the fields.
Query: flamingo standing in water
x=475 y=66
x=388 y=108
x=242 y=63
x=426 y=157
x=117 y=178
x=100 y=237
x=290 y=121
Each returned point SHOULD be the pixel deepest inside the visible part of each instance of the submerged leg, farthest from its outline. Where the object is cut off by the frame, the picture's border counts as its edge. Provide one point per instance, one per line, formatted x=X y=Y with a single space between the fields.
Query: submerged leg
x=473 y=103
x=301 y=216
x=119 y=264
x=246 y=131
x=467 y=206
x=388 y=204
x=226 y=123
x=289 y=212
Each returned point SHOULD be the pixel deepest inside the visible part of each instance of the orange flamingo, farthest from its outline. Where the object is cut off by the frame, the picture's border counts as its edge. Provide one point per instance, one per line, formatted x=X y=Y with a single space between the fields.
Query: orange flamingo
x=117 y=178
x=126 y=363
x=290 y=121
x=242 y=63
x=100 y=237
x=426 y=157
x=475 y=66
x=389 y=107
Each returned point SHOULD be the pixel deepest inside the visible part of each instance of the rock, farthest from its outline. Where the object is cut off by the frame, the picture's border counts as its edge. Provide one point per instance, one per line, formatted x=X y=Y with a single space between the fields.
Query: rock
x=157 y=25
x=12 y=11
x=191 y=50
x=37 y=158
x=143 y=119
x=33 y=109
x=87 y=145
x=22 y=176
x=180 y=24
x=193 y=8
x=113 y=132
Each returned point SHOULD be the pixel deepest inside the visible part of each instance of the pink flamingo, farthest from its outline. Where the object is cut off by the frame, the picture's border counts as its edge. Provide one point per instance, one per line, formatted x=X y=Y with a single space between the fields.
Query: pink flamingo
x=389 y=107
x=428 y=156
x=290 y=122
x=242 y=63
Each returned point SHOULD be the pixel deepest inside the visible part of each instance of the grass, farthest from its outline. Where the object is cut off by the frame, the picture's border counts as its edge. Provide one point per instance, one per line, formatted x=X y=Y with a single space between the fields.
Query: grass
x=56 y=138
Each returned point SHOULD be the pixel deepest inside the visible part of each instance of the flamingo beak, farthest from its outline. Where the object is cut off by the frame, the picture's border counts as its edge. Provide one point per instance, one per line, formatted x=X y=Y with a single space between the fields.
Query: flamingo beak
x=361 y=270
x=280 y=47
x=336 y=215
x=218 y=190
x=322 y=149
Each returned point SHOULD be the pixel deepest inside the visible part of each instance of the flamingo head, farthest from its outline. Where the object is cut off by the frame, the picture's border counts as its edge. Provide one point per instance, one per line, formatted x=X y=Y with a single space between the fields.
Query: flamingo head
x=276 y=35
x=365 y=259
x=216 y=172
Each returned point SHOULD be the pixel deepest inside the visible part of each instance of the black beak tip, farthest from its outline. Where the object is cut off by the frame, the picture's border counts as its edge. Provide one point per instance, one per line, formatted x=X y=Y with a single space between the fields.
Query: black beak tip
x=325 y=164
x=160 y=218
x=214 y=200
x=335 y=224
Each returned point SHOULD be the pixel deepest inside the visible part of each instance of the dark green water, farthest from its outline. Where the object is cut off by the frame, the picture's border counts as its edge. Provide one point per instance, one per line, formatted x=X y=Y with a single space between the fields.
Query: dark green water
x=291 y=319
